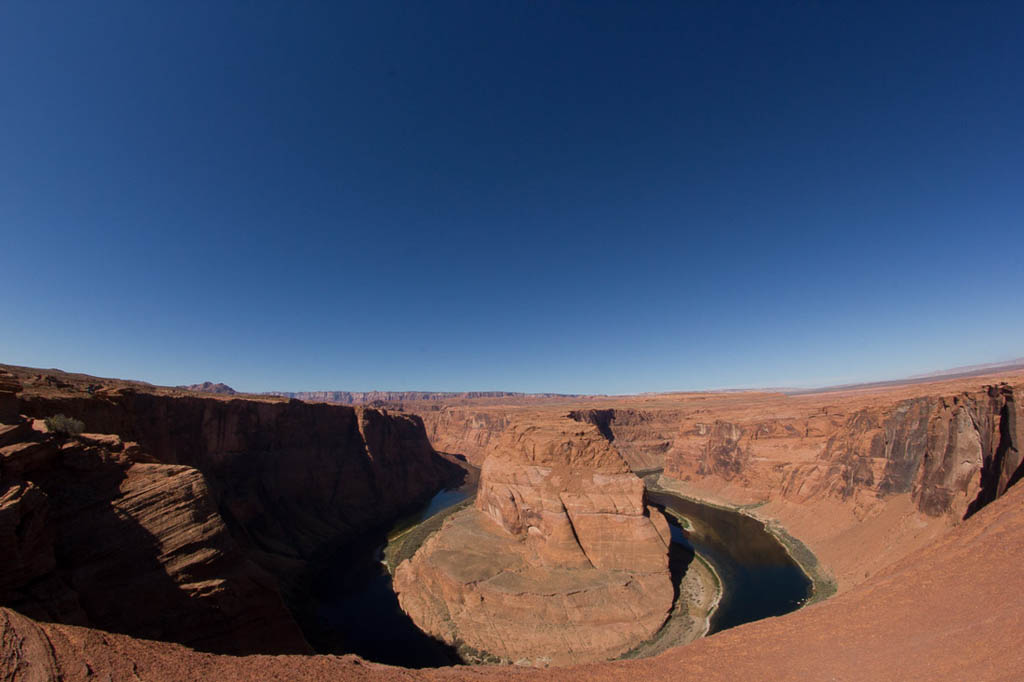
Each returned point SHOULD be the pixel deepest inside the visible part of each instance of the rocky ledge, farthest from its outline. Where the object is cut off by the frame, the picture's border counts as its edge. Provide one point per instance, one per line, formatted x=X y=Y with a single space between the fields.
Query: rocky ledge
x=559 y=562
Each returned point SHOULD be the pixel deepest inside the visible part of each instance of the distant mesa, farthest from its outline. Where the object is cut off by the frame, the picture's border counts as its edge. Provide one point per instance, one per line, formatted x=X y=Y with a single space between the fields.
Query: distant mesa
x=210 y=387
x=377 y=397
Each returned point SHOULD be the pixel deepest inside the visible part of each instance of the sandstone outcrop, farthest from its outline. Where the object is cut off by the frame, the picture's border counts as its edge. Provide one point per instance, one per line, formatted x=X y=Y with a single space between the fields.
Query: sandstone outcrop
x=94 y=534
x=953 y=444
x=641 y=434
x=559 y=562
x=295 y=480
x=951 y=453
x=281 y=486
x=886 y=469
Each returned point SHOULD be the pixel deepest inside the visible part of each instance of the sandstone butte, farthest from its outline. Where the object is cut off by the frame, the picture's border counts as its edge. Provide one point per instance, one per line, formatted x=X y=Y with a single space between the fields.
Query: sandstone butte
x=906 y=494
x=559 y=562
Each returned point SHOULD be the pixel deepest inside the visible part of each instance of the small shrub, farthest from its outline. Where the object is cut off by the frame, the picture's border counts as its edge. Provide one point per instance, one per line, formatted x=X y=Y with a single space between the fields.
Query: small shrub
x=66 y=426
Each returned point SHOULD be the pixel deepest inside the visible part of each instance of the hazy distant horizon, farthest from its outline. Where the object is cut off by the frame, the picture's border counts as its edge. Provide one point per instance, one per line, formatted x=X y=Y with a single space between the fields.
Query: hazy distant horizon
x=935 y=375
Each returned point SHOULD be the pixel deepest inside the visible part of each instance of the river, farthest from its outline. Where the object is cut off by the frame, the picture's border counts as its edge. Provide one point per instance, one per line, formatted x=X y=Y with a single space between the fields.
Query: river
x=358 y=612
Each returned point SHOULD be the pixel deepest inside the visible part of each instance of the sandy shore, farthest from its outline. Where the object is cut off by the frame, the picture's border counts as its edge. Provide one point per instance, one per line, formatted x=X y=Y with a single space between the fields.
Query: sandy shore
x=700 y=591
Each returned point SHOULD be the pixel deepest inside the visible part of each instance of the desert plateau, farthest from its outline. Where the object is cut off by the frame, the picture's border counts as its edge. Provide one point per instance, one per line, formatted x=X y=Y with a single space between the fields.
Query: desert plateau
x=210 y=516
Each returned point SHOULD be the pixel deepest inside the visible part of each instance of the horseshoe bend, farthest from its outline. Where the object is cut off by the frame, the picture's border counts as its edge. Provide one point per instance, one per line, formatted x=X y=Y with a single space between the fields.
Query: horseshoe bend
x=182 y=533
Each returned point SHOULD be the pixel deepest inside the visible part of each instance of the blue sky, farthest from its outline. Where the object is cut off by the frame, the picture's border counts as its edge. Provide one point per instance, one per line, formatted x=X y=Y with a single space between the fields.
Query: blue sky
x=571 y=197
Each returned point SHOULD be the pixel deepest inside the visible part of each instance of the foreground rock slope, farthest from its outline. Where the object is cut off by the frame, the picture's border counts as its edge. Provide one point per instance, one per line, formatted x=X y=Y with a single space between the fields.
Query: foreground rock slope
x=559 y=562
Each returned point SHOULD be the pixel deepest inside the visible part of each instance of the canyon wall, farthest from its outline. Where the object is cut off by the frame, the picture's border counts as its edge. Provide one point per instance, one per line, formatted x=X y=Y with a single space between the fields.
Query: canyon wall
x=293 y=479
x=94 y=532
x=280 y=486
x=923 y=477
x=946 y=613
x=559 y=562
x=953 y=447
x=951 y=453
x=885 y=470
x=641 y=436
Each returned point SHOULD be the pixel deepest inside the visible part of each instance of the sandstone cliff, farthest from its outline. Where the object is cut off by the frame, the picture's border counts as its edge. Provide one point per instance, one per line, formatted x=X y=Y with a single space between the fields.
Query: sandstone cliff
x=951 y=453
x=642 y=436
x=952 y=445
x=94 y=533
x=284 y=484
x=944 y=613
x=559 y=562
x=291 y=479
x=885 y=470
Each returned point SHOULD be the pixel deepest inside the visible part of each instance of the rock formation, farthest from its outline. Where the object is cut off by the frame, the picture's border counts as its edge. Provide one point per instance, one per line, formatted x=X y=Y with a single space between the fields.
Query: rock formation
x=559 y=562
x=945 y=613
x=210 y=387
x=95 y=533
x=217 y=502
x=471 y=428
x=295 y=479
x=951 y=453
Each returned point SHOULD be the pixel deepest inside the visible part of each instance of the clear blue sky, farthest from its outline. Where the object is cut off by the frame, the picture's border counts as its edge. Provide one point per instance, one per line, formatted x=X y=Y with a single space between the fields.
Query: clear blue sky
x=533 y=196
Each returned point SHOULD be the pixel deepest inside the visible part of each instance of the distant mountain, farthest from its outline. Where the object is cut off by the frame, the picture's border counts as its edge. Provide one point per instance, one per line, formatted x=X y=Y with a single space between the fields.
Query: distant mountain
x=952 y=373
x=210 y=387
x=971 y=370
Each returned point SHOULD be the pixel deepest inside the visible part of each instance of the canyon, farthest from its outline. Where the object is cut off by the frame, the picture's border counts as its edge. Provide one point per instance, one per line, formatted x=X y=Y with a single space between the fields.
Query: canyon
x=229 y=501
x=904 y=493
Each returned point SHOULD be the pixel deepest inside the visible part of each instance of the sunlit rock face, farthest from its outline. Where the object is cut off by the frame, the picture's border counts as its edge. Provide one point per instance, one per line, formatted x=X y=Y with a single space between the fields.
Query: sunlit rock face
x=952 y=454
x=559 y=562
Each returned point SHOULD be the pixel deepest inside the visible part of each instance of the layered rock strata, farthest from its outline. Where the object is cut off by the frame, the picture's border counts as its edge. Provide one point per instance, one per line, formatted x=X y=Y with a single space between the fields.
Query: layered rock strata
x=951 y=444
x=951 y=453
x=862 y=476
x=208 y=485
x=294 y=481
x=559 y=562
x=93 y=532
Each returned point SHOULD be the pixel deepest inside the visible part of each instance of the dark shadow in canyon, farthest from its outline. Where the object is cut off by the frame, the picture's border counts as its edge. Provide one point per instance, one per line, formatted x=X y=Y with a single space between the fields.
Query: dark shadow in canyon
x=680 y=556
x=602 y=419
x=108 y=572
x=349 y=605
x=1005 y=467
